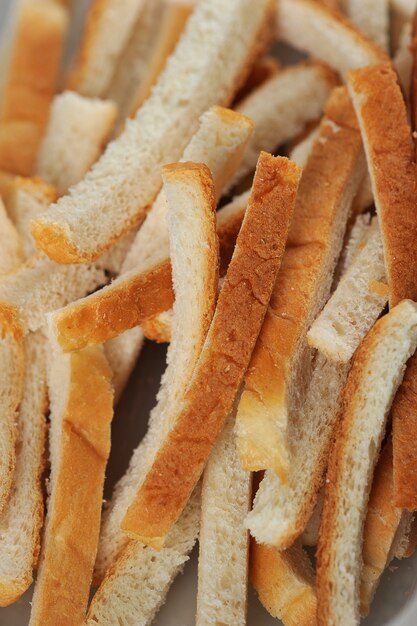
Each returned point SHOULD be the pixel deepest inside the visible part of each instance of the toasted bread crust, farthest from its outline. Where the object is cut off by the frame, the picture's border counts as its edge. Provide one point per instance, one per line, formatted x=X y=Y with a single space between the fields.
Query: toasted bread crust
x=71 y=534
x=31 y=83
x=240 y=311
x=404 y=433
x=339 y=478
x=284 y=582
x=382 y=115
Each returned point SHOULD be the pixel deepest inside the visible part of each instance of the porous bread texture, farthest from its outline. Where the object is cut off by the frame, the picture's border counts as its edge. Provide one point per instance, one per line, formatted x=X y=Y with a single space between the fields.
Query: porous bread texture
x=281 y=510
x=107 y=30
x=190 y=194
x=116 y=193
x=138 y=295
x=371 y=17
x=356 y=238
x=21 y=521
x=26 y=199
x=137 y=584
x=30 y=83
x=278 y=374
x=132 y=65
x=385 y=528
x=223 y=361
x=284 y=582
x=11 y=390
x=262 y=70
x=375 y=376
x=389 y=149
x=356 y=304
x=329 y=36
x=122 y=352
x=282 y=106
x=224 y=540
x=77 y=131
x=11 y=249
x=171 y=25
x=40 y=286
x=81 y=404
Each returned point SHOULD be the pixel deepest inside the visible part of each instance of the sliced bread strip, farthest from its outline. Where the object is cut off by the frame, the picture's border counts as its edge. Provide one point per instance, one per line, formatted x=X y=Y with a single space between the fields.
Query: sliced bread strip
x=224 y=540
x=190 y=193
x=11 y=249
x=136 y=586
x=404 y=425
x=40 y=286
x=31 y=81
x=384 y=531
x=386 y=135
x=115 y=194
x=282 y=106
x=21 y=521
x=375 y=376
x=132 y=65
x=329 y=36
x=77 y=131
x=220 y=369
x=11 y=390
x=371 y=17
x=278 y=374
x=106 y=33
x=26 y=199
x=174 y=18
x=354 y=307
x=262 y=70
x=137 y=295
x=284 y=582
x=81 y=403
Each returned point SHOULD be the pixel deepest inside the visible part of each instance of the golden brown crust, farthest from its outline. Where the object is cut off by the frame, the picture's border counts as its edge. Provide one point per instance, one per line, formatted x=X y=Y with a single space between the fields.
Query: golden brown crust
x=219 y=372
x=404 y=436
x=156 y=329
x=132 y=300
x=413 y=89
x=284 y=582
x=31 y=83
x=34 y=185
x=387 y=138
x=305 y=267
x=71 y=534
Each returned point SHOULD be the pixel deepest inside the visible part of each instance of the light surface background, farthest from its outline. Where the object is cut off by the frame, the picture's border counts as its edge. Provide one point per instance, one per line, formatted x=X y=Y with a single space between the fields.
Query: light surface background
x=396 y=601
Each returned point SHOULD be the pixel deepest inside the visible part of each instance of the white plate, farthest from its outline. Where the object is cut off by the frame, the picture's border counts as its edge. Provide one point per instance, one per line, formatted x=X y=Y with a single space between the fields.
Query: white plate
x=396 y=600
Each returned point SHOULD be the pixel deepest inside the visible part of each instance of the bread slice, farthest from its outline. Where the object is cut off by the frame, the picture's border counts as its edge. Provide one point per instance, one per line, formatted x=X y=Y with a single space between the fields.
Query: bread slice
x=40 y=286
x=356 y=237
x=403 y=60
x=284 y=581
x=21 y=520
x=106 y=33
x=389 y=148
x=123 y=183
x=371 y=17
x=77 y=131
x=132 y=65
x=279 y=371
x=11 y=250
x=26 y=198
x=81 y=401
x=190 y=192
x=301 y=152
x=383 y=530
x=135 y=296
x=329 y=36
x=13 y=364
x=354 y=307
x=282 y=106
x=122 y=352
x=32 y=76
x=262 y=70
x=172 y=23
x=224 y=540
x=375 y=376
x=223 y=361
x=136 y=586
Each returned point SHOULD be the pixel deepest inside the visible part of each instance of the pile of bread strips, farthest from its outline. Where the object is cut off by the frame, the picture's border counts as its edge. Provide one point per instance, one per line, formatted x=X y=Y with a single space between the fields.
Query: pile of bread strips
x=140 y=198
